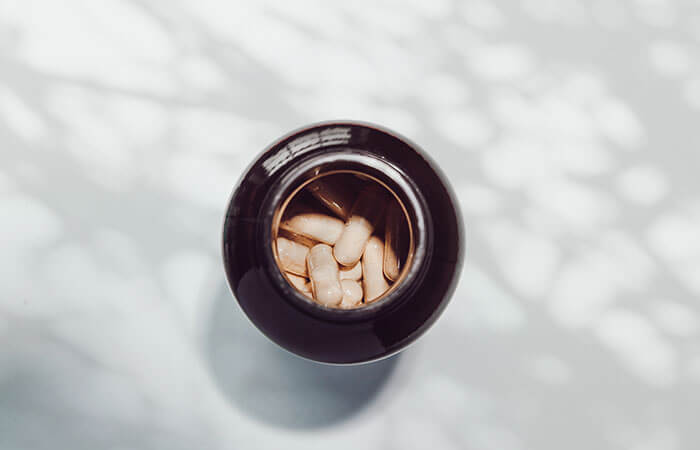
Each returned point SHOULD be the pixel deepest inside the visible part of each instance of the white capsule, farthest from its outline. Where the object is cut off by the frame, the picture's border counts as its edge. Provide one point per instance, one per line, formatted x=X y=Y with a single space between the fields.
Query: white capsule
x=352 y=294
x=333 y=196
x=323 y=271
x=314 y=225
x=351 y=273
x=392 y=239
x=292 y=256
x=373 y=280
x=298 y=282
x=359 y=227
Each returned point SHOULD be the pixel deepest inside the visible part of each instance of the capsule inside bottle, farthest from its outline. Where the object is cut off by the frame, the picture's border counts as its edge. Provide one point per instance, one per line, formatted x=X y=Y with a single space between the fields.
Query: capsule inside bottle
x=358 y=221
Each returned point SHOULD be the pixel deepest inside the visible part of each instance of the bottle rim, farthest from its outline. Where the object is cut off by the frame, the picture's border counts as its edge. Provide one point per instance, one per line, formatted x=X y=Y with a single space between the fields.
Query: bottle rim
x=339 y=160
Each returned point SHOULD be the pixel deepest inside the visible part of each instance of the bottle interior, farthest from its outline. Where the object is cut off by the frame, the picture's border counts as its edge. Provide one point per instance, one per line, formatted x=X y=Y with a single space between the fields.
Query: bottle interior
x=332 y=214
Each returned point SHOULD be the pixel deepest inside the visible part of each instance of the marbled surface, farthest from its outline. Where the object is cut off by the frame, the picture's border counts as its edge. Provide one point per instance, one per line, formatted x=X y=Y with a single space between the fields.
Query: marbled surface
x=568 y=128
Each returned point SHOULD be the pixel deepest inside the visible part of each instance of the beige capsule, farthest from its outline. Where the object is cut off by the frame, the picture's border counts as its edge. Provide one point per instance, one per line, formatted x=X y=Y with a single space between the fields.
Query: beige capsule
x=359 y=227
x=313 y=225
x=352 y=294
x=323 y=271
x=373 y=282
x=292 y=256
x=333 y=196
x=298 y=282
x=351 y=273
x=392 y=240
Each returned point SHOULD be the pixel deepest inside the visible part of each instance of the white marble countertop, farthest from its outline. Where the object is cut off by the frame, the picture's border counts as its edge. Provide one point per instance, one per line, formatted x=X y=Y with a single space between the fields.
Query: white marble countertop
x=569 y=130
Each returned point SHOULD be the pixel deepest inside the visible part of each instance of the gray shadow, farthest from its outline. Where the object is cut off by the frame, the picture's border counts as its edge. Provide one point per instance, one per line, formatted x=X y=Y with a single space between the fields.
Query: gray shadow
x=277 y=387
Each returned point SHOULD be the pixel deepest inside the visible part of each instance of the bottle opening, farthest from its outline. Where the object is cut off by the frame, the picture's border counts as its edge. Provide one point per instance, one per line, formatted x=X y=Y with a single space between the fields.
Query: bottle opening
x=343 y=239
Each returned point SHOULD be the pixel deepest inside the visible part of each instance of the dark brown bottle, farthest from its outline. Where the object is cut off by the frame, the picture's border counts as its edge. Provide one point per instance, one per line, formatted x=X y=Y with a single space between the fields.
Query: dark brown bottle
x=308 y=329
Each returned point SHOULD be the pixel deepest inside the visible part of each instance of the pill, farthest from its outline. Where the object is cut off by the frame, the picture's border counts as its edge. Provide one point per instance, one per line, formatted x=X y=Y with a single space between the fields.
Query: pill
x=351 y=273
x=359 y=227
x=392 y=239
x=352 y=294
x=373 y=282
x=296 y=237
x=333 y=196
x=323 y=271
x=292 y=256
x=312 y=224
x=298 y=282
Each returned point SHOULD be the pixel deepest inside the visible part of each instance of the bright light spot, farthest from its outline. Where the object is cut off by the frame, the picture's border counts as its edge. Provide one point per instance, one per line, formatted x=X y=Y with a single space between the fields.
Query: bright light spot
x=581 y=291
x=140 y=122
x=114 y=43
x=478 y=200
x=388 y=19
x=583 y=87
x=513 y=162
x=658 y=13
x=639 y=346
x=692 y=93
x=564 y=117
x=320 y=17
x=643 y=185
x=669 y=58
x=551 y=370
x=216 y=133
x=594 y=279
x=92 y=137
x=512 y=109
x=465 y=128
x=202 y=74
x=26 y=222
x=480 y=303
x=609 y=14
x=619 y=123
x=582 y=157
x=675 y=318
x=430 y=10
x=675 y=238
x=501 y=62
x=443 y=90
x=620 y=249
x=562 y=11
x=528 y=259
x=343 y=104
x=200 y=179
x=574 y=205
x=482 y=14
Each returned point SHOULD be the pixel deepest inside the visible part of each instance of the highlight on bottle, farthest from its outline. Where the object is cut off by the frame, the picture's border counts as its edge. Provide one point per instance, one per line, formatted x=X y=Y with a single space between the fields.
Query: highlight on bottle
x=343 y=240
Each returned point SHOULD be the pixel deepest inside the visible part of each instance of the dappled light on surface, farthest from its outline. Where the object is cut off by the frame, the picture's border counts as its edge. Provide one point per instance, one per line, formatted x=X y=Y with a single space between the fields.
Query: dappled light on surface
x=568 y=130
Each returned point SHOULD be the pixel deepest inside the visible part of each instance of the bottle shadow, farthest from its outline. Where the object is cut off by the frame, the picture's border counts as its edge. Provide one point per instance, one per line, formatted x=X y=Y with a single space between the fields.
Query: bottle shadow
x=277 y=387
